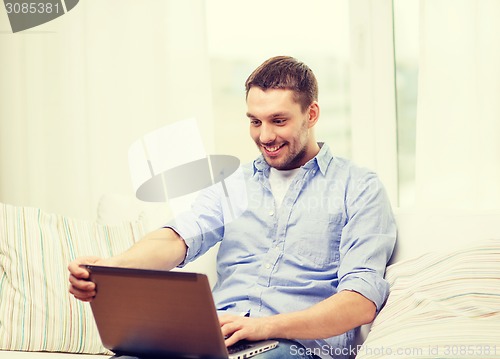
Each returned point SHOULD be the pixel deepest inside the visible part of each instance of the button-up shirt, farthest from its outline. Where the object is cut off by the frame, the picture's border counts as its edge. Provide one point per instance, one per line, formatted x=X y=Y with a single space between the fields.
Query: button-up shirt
x=334 y=231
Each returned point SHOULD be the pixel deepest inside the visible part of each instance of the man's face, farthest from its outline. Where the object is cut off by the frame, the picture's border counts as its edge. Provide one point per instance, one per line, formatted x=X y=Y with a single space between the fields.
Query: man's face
x=280 y=129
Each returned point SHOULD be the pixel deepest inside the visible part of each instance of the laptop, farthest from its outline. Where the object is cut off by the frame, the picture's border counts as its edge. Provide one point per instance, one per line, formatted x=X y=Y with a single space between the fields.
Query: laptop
x=152 y=314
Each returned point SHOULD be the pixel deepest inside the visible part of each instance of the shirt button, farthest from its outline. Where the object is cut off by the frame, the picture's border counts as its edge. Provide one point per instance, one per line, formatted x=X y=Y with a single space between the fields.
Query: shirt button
x=271 y=213
x=268 y=265
x=277 y=248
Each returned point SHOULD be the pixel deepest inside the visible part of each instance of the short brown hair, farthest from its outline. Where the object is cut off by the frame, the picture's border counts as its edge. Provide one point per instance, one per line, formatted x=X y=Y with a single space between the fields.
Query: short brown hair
x=285 y=72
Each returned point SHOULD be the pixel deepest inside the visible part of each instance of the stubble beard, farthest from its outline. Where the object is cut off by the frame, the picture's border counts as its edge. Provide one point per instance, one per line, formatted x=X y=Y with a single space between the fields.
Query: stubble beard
x=291 y=161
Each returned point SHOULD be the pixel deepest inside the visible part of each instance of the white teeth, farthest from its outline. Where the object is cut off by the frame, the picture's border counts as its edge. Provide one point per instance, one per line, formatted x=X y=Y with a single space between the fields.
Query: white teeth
x=272 y=149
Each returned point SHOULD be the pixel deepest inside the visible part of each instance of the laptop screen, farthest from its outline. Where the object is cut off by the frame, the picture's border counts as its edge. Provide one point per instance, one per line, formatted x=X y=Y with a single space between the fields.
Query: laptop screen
x=153 y=313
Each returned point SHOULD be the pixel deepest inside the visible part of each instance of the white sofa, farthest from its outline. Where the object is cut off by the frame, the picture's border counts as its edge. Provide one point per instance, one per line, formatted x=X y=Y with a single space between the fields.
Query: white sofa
x=445 y=288
x=35 y=248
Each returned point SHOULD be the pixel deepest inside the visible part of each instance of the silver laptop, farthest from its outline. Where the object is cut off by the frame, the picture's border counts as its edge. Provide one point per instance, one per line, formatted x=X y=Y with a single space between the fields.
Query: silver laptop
x=148 y=314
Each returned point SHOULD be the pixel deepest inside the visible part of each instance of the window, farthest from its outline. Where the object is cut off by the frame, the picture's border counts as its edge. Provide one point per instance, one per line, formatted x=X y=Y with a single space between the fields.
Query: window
x=241 y=35
x=406 y=61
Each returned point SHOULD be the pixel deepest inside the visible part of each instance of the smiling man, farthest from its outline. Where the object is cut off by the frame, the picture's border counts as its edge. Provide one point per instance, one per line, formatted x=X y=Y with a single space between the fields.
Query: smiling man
x=305 y=259
x=281 y=127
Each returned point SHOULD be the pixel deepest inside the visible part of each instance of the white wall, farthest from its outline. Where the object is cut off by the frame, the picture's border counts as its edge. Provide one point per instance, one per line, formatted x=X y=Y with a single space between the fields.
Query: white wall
x=373 y=93
x=458 y=113
x=77 y=91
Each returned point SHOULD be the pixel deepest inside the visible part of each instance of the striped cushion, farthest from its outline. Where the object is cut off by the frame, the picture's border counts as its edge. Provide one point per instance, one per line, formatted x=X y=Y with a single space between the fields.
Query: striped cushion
x=36 y=311
x=441 y=305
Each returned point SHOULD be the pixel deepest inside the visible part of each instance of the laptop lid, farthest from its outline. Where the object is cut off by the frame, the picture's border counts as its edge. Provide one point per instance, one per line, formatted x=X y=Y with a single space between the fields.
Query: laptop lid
x=148 y=313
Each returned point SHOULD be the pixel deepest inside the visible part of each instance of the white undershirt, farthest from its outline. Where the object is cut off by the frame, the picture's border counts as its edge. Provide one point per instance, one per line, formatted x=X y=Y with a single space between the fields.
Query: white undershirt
x=280 y=181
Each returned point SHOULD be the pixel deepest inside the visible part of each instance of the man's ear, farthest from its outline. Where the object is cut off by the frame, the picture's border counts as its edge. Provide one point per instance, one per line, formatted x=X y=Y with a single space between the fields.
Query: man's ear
x=313 y=112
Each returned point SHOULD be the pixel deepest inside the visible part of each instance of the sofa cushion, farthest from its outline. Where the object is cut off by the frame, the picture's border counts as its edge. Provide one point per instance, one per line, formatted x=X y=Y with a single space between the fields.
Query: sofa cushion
x=441 y=305
x=37 y=313
x=115 y=208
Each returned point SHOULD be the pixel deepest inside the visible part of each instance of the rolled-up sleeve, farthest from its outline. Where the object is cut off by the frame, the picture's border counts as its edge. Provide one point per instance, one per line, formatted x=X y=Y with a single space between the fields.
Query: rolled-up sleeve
x=367 y=240
x=202 y=226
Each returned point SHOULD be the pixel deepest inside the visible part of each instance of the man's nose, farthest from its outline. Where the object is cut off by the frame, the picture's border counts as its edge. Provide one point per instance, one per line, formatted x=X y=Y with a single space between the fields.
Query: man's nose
x=267 y=134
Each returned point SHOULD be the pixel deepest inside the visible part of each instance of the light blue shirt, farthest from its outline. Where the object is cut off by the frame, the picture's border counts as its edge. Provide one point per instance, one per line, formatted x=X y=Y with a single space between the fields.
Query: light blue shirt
x=334 y=231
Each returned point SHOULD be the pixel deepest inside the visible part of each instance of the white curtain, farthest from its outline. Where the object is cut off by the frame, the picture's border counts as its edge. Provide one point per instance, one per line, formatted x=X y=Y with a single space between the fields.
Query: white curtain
x=458 y=115
x=76 y=92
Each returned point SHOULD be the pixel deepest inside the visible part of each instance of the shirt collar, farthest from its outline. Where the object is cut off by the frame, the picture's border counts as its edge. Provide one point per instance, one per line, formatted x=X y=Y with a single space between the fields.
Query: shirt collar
x=321 y=160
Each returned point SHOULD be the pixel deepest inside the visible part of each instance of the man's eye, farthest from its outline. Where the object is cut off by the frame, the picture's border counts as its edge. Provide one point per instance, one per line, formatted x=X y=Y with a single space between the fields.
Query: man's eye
x=279 y=121
x=255 y=122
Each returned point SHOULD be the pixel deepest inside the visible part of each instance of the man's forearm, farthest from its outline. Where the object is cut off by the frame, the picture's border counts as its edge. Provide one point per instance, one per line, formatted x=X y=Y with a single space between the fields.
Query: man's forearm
x=161 y=249
x=333 y=316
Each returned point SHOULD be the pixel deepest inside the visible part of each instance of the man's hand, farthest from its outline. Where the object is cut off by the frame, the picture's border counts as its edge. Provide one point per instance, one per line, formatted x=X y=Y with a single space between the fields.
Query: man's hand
x=80 y=286
x=333 y=316
x=235 y=328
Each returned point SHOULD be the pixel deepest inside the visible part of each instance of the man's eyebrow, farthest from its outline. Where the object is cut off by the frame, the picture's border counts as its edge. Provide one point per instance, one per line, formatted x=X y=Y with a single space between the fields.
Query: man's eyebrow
x=272 y=116
x=279 y=114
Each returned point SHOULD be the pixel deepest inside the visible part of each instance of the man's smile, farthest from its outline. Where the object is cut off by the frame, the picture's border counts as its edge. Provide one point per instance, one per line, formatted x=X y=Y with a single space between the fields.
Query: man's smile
x=273 y=150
